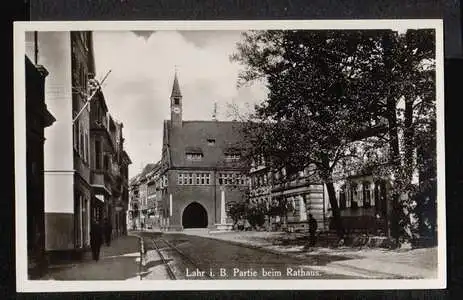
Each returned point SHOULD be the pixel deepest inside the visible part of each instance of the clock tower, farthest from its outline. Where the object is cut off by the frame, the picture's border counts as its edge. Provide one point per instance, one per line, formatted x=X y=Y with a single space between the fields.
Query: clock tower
x=176 y=104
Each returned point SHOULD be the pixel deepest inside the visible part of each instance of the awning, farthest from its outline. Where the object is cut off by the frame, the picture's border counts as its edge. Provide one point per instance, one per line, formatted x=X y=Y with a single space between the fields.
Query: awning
x=100 y=197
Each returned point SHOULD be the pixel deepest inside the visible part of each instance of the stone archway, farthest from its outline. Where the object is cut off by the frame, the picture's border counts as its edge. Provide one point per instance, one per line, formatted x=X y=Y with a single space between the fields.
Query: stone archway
x=194 y=216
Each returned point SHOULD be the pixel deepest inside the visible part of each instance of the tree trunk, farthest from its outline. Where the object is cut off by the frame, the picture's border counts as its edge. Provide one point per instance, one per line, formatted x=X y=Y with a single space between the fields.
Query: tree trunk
x=335 y=209
x=394 y=150
x=328 y=179
x=409 y=141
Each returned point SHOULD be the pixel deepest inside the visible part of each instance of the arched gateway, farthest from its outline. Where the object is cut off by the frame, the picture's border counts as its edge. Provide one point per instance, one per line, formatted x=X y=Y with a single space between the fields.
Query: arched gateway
x=194 y=216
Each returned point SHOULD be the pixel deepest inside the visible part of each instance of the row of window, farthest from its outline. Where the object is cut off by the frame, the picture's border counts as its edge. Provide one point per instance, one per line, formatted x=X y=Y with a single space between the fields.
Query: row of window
x=80 y=78
x=82 y=146
x=205 y=179
x=194 y=178
x=199 y=156
x=232 y=179
x=264 y=179
x=261 y=200
x=361 y=196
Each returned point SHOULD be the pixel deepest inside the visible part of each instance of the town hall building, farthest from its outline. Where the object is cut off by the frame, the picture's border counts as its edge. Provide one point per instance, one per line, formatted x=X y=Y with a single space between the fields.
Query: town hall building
x=201 y=170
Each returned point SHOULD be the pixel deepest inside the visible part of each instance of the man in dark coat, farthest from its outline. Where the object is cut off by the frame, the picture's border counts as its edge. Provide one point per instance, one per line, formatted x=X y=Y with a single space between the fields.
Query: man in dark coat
x=108 y=229
x=96 y=239
x=312 y=230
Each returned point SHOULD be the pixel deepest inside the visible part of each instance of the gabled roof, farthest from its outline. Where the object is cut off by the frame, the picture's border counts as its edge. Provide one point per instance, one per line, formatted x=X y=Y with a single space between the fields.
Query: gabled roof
x=147 y=169
x=193 y=136
x=126 y=156
x=140 y=176
x=134 y=179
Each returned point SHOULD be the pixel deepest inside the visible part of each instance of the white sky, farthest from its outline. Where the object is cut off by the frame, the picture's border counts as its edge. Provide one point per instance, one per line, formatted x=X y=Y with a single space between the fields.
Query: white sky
x=138 y=88
x=142 y=67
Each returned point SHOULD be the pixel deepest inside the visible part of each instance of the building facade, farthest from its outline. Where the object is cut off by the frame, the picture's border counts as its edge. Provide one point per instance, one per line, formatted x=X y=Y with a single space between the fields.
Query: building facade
x=362 y=192
x=82 y=66
x=153 y=197
x=124 y=173
x=143 y=198
x=109 y=167
x=133 y=212
x=69 y=153
x=201 y=170
x=69 y=59
x=301 y=195
x=37 y=119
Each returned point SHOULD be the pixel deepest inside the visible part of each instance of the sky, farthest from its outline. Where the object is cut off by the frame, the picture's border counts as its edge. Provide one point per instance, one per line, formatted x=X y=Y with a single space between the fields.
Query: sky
x=143 y=64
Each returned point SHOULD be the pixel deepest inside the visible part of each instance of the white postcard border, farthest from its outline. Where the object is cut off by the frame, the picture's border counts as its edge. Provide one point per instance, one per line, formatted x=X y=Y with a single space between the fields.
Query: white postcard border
x=25 y=285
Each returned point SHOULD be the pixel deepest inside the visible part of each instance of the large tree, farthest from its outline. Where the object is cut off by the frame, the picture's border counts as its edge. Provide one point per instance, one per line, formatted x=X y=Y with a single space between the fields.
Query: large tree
x=313 y=112
x=405 y=77
x=330 y=88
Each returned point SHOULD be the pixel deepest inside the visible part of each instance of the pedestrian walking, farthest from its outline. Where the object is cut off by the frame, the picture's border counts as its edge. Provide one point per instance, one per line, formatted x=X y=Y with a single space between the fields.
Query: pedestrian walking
x=247 y=225
x=108 y=229
x=312 y=230
x=96 y=239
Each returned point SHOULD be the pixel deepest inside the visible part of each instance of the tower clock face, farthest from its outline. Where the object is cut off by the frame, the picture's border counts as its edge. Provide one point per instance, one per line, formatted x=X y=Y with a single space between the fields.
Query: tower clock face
x=176 y=110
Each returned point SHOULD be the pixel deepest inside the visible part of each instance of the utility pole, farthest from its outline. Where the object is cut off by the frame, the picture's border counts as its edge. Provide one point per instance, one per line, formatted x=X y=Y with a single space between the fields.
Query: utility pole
x=36 y=47
x=91 y=96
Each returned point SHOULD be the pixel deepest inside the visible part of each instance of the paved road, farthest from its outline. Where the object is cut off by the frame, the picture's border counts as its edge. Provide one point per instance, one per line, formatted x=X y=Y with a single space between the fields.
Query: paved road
x=193 y=257
x=180 y=256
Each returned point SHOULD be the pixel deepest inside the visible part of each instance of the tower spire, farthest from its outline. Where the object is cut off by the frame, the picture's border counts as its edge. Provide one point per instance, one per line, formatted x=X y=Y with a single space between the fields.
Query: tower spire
x=176 y=87
x=176 y=103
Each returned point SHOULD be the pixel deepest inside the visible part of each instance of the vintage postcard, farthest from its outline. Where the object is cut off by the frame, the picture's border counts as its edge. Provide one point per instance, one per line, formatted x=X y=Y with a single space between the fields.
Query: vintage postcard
x=229 y=155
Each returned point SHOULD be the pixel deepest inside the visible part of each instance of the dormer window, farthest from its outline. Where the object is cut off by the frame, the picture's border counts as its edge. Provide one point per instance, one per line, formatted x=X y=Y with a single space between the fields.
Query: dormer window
x=211 y=142
x=194 y=154
x=232 y=154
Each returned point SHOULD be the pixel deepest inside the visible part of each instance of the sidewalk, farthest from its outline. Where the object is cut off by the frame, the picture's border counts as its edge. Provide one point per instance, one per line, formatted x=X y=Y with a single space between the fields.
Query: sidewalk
x=119 y=261
x=364 y=262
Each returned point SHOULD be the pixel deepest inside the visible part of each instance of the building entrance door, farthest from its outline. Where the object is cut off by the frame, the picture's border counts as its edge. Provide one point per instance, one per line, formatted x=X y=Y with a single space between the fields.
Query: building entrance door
x=194 y=216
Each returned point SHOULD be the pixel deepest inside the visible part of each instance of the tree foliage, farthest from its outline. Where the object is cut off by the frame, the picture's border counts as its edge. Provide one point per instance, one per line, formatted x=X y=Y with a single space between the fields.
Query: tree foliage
x=328 y=89
x=237 y=210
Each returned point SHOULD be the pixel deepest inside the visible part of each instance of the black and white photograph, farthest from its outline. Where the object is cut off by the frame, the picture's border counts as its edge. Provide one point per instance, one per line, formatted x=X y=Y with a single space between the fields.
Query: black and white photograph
x=189 y=155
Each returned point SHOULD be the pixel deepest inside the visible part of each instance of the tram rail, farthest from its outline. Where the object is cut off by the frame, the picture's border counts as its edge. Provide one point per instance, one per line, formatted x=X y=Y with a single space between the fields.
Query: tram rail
x=183 y=256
